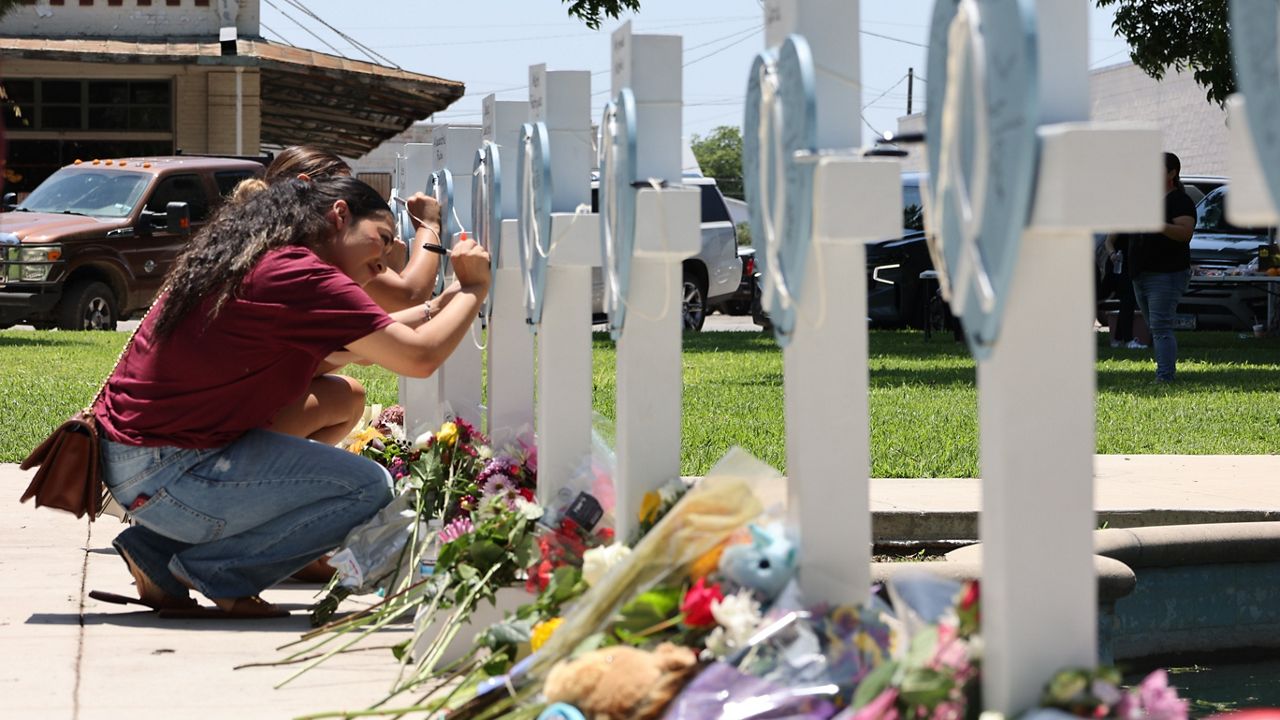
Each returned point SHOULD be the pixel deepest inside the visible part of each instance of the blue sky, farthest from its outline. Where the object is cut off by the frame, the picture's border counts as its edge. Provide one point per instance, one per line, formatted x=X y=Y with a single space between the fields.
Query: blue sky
x=489 y=45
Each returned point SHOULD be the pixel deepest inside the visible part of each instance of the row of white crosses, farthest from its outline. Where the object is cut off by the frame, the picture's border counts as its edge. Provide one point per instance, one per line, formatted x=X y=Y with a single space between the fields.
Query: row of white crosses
x=1008 y=111
x=1008 y=108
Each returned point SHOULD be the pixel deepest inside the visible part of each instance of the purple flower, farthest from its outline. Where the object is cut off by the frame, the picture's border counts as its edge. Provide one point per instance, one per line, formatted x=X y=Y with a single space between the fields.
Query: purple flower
x=456 y=529
x=498 y=484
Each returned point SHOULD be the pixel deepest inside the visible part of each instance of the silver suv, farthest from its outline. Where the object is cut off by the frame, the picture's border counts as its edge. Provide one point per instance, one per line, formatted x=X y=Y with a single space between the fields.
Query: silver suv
x=710 y=276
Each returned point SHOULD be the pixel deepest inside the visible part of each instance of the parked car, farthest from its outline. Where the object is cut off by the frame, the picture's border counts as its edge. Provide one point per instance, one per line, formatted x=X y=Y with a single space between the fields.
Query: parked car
x=1220 y=247
x=740 y=302
x=91 y=244
x=896 y=296
x=711 y=276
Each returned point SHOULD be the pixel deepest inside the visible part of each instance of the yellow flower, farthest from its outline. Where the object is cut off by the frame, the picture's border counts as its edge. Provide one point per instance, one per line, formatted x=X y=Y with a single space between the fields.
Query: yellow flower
x=649 y=506
x=542 y=632
x=448 y=434
x=363 y=438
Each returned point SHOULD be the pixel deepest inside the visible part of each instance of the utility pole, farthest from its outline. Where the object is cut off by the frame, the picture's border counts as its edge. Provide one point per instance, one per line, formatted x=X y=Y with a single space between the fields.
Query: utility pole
x=911 y=83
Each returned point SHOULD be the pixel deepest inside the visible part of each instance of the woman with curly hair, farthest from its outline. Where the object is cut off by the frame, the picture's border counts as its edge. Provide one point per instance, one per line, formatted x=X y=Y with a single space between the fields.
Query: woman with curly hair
x=256 y=302
x=334 y=403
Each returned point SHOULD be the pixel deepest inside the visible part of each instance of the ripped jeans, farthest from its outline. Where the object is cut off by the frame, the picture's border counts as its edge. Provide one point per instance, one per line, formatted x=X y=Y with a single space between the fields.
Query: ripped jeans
x=235 y=520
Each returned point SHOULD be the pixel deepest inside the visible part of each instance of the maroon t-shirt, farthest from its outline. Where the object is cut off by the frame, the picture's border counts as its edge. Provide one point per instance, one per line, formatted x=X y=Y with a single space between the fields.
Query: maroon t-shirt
x=208 y=383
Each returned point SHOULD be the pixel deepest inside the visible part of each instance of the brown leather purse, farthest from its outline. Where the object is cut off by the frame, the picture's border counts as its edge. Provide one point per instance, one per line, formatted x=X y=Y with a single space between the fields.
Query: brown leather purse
x=70 y=474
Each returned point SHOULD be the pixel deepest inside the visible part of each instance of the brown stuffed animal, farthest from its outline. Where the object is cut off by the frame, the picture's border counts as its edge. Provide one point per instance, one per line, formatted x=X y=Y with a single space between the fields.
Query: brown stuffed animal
x=622 y=682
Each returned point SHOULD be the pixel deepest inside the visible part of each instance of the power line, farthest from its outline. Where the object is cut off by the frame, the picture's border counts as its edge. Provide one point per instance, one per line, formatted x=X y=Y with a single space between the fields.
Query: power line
x=371 y=53
x=739 y=41
x=895 y=39
x=304 y=28
x=275 y=32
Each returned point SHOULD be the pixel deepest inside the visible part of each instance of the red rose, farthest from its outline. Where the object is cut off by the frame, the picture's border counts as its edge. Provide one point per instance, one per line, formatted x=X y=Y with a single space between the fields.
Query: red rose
x=696 y=605
x=527 y=494
x=970 y=596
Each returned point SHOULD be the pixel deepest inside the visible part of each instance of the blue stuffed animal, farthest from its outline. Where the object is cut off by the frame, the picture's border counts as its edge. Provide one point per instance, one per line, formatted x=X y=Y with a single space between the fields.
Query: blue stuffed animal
x=765 y=565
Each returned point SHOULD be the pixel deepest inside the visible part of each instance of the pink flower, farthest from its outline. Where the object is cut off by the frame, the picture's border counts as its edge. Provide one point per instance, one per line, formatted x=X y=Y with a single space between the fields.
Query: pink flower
x=696 y=605
x=1159 y=701
x=883 y=707
x=456 y=529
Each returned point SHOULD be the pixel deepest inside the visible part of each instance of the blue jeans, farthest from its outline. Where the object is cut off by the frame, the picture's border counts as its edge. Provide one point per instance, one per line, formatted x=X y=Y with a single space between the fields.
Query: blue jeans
x=235 y=520
x=1158 y=294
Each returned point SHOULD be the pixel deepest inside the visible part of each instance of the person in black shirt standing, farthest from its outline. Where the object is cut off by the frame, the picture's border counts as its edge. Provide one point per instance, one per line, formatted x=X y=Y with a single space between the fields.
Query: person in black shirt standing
x=1160 y=264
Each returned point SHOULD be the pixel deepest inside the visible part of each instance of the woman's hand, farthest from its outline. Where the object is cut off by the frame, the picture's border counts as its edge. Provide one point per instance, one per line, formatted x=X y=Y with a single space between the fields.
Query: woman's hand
x=423 y=208
x=470 y=265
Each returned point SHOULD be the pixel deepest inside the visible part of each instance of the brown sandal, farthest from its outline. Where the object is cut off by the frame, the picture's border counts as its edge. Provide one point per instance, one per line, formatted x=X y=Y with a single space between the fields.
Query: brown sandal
x=150 y=594
x=245 y=608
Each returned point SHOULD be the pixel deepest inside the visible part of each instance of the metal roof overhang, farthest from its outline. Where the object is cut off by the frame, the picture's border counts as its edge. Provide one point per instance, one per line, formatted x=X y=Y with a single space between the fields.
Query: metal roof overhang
x=345 y=106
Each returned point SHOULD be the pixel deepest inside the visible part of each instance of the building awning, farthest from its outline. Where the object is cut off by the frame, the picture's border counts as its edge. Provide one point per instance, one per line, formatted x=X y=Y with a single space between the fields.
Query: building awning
x=345 y=106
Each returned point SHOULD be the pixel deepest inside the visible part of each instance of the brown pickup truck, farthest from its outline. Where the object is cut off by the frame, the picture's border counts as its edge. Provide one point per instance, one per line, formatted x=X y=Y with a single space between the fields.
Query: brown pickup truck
x=91 y=244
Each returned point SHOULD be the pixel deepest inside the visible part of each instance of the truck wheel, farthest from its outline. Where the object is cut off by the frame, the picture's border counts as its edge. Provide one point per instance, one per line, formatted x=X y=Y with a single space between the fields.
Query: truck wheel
x=695 y=302
x=88 y=305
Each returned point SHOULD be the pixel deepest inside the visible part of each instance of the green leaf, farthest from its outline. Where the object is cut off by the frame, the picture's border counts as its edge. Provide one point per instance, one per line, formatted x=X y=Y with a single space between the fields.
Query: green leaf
x=400 y=649
x=650 y=608
x=874 y=683
x=510 y=632
x=466 y=572
x=486 y=553
x=925 y=686
x=922 y=648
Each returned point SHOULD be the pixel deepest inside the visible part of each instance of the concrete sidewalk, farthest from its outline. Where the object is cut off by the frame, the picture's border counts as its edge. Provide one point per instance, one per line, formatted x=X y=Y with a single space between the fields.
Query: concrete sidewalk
x=67 y=656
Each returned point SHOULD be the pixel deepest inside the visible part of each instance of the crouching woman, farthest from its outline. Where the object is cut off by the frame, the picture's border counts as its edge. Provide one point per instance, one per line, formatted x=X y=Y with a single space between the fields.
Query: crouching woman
x=256 y=302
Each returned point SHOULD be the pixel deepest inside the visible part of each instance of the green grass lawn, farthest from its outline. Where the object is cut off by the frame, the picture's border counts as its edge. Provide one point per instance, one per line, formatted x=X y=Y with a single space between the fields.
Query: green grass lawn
x=923 y=400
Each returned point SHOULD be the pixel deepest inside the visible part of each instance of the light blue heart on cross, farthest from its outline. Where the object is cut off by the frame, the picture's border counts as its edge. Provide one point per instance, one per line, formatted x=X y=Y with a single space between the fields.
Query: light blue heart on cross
x=1255 y=34
x=440 y=186
x=983 y=109
x=780 y=126
x=486 y=208
x=617 y=204
x=533 y=170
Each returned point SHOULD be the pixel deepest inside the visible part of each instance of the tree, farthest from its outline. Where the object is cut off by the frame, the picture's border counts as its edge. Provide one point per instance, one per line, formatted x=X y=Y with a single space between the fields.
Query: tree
x=1181 y=34
x=719 y=154
x=592 y=12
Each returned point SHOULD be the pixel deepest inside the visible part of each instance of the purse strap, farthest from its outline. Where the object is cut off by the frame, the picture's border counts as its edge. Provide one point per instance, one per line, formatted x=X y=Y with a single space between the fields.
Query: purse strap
x=88 y=409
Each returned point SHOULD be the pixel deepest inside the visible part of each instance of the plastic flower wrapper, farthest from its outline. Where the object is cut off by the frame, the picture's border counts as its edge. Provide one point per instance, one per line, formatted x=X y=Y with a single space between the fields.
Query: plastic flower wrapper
x=935 y=668
x=374 y=550
x=716 y=507
x=779 y=672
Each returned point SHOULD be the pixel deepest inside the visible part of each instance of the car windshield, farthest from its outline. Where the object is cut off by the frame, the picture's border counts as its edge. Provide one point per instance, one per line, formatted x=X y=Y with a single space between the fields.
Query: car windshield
x=108 y=194
x=1211 y=216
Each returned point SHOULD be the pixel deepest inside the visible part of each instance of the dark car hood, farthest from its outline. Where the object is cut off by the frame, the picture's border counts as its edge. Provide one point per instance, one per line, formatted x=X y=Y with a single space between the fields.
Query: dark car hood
x=1225 y=248
x=46 y=227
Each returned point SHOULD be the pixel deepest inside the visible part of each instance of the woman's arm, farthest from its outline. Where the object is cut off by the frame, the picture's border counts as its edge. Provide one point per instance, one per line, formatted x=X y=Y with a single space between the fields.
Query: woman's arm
x=415 y=283
x=418 y=351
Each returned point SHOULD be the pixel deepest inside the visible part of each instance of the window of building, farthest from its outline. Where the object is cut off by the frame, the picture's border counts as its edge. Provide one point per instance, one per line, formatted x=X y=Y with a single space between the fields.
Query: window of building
x=70 y=105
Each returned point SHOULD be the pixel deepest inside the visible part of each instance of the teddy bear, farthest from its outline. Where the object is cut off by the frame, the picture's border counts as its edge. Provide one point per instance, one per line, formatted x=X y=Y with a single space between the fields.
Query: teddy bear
x=622 y=682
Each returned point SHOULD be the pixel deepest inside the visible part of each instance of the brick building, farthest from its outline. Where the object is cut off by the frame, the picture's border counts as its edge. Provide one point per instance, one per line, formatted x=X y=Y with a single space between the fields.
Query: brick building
x=112 y=78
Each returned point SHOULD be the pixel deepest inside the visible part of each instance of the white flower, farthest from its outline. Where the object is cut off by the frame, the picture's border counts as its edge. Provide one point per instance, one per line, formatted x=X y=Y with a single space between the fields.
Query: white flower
x=485 y=452
x=739 y=617
x=423 y=440
x=597 y=561
x=671 y=491
x=530 y=510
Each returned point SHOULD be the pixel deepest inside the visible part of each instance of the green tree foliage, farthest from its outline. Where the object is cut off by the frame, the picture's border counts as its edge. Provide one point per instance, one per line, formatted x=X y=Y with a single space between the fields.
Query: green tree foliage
x=592 y=12
x=1181 y=34
x=719 y=155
